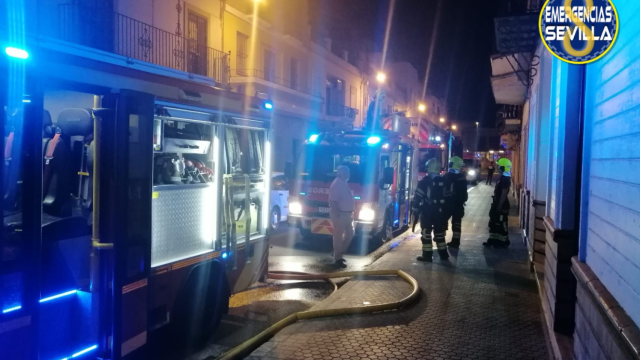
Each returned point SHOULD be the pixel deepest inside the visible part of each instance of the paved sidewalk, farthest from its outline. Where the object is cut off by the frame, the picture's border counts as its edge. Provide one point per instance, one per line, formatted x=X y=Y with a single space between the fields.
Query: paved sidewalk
x=482 y=304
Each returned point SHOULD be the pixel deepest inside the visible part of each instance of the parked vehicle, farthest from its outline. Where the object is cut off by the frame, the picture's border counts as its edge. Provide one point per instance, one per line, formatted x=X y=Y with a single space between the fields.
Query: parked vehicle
x=279 y=199
x=471 y=170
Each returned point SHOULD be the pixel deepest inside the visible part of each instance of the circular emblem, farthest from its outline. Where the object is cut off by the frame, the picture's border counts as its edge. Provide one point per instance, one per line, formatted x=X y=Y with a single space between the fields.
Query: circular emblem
x=578 y=31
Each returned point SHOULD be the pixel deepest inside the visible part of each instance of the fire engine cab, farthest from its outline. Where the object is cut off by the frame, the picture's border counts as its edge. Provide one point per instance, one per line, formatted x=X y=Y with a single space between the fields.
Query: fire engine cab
x=381 y=171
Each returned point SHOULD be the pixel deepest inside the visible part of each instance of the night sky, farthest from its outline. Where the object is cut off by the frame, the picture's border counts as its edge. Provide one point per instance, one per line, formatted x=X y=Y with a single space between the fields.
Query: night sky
x=464 y=41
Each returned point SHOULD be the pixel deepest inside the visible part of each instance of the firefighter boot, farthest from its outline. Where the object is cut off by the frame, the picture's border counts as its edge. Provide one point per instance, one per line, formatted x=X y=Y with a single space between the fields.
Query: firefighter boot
x=442 y=246
x=427 y=247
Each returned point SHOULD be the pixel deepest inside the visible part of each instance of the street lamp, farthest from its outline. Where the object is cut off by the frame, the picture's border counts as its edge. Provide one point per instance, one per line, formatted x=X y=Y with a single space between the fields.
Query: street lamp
x=441 y=119
x=454 y=127
x=381 y=77
x=422 y=108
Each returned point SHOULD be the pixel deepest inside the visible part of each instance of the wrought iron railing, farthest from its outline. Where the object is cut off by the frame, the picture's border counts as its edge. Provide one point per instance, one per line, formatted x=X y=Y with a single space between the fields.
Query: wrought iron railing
x=129 y=37
x=270 y=77
x=341 y=110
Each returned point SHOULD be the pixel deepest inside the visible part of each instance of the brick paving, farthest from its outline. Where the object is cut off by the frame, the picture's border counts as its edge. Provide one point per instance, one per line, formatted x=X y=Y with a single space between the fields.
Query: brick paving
x=482 y=304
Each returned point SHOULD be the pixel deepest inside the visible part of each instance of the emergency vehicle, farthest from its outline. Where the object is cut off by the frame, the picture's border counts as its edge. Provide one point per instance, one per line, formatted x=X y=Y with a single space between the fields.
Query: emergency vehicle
x=134 y=203
x=381 y=164
x=433 y=144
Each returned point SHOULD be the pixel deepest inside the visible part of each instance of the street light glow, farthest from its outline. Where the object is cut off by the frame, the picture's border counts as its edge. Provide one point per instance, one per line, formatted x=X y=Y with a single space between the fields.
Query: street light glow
x=422 y=107
x=477 y=123
x=441 y=119
x=454 y=127
x=381 y=77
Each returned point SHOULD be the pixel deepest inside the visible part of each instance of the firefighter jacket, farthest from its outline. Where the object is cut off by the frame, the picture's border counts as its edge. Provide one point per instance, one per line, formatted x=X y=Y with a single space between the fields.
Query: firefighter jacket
x=456 y=188
x=429 y=195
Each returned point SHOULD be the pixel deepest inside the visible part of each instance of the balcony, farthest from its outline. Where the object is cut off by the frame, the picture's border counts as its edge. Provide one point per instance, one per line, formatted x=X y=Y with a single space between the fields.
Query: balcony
x=342 y=111
x=244 y=75
x=122 y=35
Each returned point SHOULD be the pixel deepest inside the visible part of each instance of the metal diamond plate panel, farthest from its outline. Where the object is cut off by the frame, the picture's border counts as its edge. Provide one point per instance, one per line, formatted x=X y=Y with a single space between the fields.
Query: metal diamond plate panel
x=182 y=222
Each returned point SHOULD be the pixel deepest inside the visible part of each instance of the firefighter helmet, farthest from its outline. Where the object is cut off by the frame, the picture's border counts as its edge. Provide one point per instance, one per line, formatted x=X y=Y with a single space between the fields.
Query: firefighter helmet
x=434 y=166
x=456 y=163
x=504 y=164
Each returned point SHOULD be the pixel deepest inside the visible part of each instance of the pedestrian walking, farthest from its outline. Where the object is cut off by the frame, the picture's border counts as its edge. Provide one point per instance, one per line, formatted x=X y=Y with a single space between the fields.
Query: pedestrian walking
x=429 y=203
x=341 y=205
x=491 y=170
x=499 y=213
x=456 y=197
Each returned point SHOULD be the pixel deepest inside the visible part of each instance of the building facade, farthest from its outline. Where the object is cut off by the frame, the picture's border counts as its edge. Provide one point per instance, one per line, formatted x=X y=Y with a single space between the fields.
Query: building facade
x=579 y=197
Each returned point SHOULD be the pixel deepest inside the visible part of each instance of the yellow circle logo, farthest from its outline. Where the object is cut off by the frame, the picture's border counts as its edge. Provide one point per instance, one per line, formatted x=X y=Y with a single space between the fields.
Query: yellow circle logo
x=578 y=31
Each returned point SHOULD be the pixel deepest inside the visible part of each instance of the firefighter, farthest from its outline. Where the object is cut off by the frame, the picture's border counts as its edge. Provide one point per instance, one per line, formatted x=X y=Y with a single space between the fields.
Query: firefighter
x=429 y=203
x=456 y=192
x=499 y=213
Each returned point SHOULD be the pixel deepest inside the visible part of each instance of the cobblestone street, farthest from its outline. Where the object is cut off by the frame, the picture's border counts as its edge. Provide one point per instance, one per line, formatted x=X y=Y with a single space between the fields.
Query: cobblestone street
x=482 y=304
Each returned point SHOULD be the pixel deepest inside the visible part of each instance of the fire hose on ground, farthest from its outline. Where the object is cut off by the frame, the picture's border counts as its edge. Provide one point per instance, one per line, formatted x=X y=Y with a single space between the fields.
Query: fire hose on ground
x=250 y=345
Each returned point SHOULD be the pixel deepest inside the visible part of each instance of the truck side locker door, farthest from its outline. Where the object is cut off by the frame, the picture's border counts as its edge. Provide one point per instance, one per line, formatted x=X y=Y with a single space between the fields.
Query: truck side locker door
x=21 y=189
x=127 y=184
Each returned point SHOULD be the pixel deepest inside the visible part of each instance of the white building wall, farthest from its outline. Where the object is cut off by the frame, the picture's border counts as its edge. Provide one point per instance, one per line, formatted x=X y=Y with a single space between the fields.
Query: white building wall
x=610 y=242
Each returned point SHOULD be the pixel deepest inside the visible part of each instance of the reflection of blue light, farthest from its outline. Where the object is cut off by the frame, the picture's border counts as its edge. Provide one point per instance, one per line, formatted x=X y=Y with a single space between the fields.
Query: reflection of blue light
x=224 y=255
x=395 y=222
x=16 y=53
x=26 y=101
x=313 y=138
x=372 y=140
x=11 y=309
x=82 y=352
x=303 y=193
x=268 y=105
x=58 y=296
x=357 y=197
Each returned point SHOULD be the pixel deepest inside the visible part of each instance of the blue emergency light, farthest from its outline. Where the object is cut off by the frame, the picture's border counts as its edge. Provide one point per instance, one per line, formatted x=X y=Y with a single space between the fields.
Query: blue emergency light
x=11 y=309
x=16 y=52
x=224 y=255
x=268 y=105
x=313 y=138
x=372 y=140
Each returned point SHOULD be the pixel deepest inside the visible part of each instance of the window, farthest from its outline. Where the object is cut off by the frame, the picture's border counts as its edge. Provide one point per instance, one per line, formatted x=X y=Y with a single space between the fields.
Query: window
x=354 y=97
x=295 y=73
x=335 y=96
x=242 y=53
x=269 y=65
x=197 y=43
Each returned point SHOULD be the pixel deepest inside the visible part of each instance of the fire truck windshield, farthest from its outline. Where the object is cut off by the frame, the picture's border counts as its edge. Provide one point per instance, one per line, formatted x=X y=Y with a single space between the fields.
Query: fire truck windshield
x=319 y=163
x=425 y=155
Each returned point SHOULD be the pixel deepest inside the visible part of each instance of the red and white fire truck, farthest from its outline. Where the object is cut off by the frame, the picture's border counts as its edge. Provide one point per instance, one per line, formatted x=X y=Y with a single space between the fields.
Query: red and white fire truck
x=381 y=164
x=433 y=144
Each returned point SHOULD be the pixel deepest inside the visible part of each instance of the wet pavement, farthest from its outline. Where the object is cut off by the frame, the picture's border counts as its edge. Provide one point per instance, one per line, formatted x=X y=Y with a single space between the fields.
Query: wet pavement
x=264 y=304
x=481 y=304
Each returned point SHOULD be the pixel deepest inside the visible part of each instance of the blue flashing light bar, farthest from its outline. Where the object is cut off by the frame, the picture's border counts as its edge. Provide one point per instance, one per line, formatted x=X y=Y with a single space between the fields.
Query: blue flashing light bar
x=303 y=193
x=313 y=138
x=11 y=309
x=357 y=197
x=16 y=53
x=372 y=140
x=268 y=105
x=224 y=255
x=58 y=296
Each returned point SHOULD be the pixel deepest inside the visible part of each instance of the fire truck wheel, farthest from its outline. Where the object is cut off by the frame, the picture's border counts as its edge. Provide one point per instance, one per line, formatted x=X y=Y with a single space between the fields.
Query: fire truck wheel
x=275 y=217
x=202 y=300
x=386 y=234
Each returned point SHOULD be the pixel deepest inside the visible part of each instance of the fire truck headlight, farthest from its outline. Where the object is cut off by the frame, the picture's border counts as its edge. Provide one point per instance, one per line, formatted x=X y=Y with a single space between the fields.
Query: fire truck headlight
x=472 y=172
x=366 y=214
x=295 y=208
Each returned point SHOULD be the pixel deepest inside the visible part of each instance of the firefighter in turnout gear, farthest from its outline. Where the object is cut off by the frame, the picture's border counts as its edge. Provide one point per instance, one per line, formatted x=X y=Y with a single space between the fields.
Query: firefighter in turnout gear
x=429 y=203
x=456 y=192
x=499 y=213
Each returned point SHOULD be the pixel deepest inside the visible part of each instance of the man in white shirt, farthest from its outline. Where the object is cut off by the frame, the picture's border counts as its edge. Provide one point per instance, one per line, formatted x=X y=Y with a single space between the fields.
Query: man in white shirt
x=341 y=213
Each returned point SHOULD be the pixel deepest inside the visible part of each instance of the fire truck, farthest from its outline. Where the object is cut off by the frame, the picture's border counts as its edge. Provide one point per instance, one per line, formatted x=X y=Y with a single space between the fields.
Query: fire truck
x=433 y=144
x=134 y=203
x=381 y=164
